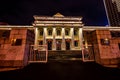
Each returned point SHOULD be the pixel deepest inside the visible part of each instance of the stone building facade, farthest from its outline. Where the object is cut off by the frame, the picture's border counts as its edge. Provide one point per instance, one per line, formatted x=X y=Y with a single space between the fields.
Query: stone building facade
x=58 y=32
x=96 y=43
x=14 y=45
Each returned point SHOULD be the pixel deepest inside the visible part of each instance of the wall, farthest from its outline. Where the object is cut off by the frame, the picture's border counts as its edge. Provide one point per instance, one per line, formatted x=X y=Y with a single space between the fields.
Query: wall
x=106 y=54
x=16 y=55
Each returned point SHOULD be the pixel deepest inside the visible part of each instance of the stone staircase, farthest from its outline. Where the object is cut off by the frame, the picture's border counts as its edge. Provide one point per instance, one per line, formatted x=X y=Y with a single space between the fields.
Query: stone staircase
x=65 y=55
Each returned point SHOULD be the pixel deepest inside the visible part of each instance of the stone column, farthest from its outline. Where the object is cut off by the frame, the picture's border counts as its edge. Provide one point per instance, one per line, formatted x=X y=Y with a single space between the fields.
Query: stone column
x=80 y=38
x=54 y=40
x=72 y=38
x=63 y=39
x=44 y=36
x=36 y=36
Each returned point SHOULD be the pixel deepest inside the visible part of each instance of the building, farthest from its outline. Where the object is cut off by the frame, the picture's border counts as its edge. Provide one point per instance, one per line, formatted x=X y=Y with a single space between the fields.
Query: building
x=112 y=8
x=59 y=32
x=63 y=35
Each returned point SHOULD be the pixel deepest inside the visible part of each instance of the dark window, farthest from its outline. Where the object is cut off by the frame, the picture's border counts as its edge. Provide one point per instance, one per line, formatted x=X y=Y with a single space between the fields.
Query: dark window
x=49 y=43
x=75 y=43
x=5 y=34
x=67 y=45
x=16 y=42
x=105 y=41
x=58 y=32
x=66 y=32
x=75 y=32
x=115 y=34
x=50 y=32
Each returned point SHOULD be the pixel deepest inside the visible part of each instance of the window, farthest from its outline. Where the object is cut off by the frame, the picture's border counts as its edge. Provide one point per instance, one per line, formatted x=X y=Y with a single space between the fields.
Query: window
x=41 y=32
x=76 y=43
x=75 y=32
x=5 y=34
x=16 y=42
x=115 y=34
x=105 y=41
x=58 y=32
x=67 y=32
x=50 y=32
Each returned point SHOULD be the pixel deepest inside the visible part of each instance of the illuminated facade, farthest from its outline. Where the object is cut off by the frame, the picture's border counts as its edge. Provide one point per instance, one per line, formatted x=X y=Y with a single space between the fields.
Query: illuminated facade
x=58 y=32
x=62 y=35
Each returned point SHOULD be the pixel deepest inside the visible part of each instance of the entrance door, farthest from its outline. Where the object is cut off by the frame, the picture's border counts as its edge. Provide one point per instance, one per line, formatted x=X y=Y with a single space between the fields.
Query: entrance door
x=49 y=43
x=58 y=44
x=67 y=44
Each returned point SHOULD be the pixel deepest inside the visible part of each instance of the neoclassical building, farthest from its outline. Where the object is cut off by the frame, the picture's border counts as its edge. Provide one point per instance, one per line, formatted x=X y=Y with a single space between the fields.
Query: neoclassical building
x=58 y=32
x=61 y=35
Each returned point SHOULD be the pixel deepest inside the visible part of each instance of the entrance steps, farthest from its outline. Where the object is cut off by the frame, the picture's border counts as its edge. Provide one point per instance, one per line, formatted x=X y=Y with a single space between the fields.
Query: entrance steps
x=65 y=55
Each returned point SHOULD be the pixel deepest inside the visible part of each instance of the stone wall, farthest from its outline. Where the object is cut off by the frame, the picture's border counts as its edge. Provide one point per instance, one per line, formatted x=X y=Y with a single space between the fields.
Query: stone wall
x=106 y=54
x=14 y=53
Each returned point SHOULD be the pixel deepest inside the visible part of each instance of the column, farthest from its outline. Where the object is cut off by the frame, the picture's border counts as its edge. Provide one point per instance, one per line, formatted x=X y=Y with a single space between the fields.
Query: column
x=44 y=36
x=36 y=36
x=80 y=38
x=63 y=39
x=85 y=39
x=54 y=40
x=72 y=38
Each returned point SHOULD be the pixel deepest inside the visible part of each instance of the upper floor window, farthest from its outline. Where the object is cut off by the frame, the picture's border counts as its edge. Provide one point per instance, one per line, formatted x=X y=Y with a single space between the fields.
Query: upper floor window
x=41 y=32
x=5 y=34
x=75 y=32
x=115 y=33
x=58 y=32
x=49 y=31
x=67 y=32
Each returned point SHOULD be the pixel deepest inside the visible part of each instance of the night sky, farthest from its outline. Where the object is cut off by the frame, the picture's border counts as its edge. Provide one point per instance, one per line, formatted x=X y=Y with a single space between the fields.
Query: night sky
x=20 y=12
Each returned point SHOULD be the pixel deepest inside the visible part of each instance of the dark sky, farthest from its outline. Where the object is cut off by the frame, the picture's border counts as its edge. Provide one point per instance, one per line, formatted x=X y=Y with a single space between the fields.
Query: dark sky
x=20 y=12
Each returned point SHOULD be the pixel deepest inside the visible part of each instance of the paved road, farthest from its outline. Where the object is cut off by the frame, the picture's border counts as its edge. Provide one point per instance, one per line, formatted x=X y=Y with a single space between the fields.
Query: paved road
x=62 y=70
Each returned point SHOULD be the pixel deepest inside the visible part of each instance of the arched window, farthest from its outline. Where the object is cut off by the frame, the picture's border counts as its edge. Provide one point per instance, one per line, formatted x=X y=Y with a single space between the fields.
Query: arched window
x=58 y=32
x=76 y=32
x=67 y=32
x=41 y=32
x=50 y=32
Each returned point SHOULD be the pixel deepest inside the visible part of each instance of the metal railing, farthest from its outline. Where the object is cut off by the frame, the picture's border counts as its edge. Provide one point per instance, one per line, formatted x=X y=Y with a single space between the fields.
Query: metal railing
x=88 y=54
x=38 y=54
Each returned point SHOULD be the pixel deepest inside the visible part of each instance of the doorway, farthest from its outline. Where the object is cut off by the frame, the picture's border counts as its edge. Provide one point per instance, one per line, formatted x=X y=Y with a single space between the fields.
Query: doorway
x=67 y=44
x=58 y=44
x=49 y=43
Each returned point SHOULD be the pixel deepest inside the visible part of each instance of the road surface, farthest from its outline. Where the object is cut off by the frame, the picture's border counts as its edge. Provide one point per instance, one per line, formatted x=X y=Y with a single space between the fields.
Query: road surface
x=62 y=70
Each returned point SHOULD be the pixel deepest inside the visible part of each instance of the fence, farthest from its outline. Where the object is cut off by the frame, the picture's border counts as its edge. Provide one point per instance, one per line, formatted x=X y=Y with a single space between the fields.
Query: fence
x=88 y=54
x=38 y=54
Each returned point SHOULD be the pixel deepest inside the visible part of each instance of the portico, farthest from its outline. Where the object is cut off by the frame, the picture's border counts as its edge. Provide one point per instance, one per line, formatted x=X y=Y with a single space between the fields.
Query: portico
x=58 y=32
